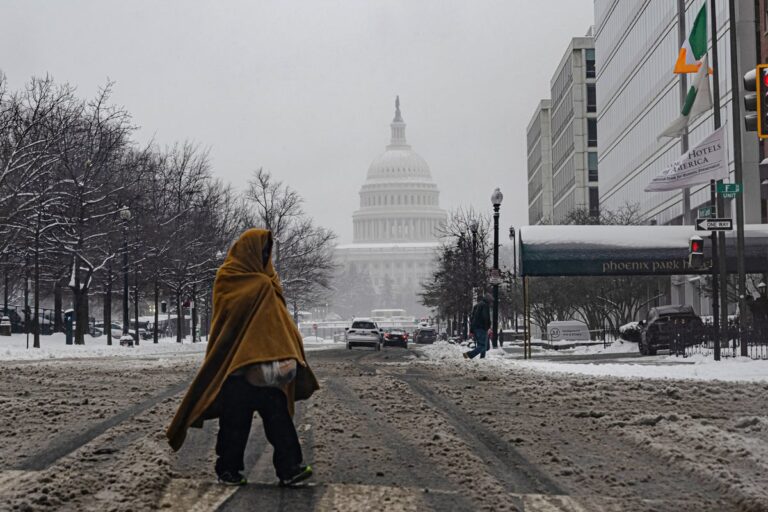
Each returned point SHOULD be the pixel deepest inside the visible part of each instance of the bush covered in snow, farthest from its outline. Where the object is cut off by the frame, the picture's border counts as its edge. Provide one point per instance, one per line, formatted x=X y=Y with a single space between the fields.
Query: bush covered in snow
x=630 y=332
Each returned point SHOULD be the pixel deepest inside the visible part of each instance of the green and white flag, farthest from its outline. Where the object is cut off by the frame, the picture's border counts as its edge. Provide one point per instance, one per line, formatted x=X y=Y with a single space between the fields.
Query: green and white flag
x=695 y=47
x=698 y=101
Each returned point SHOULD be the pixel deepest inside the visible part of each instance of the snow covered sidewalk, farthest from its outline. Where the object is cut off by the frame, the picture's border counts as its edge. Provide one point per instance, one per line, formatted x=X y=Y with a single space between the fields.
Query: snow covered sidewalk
x=653 y=367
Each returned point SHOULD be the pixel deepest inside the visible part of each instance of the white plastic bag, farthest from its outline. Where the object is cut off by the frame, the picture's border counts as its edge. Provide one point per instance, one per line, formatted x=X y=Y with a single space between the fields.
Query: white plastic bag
x=271 y=374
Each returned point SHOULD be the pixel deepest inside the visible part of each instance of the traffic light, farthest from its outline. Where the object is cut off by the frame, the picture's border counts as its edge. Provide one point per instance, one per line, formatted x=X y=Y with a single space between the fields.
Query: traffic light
x=756 y=100
x=696 y=252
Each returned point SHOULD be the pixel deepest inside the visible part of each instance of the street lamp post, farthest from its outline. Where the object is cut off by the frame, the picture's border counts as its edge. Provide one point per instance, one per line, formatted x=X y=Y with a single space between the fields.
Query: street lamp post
x=514 y=267
x=125 y=215
x=496 y=199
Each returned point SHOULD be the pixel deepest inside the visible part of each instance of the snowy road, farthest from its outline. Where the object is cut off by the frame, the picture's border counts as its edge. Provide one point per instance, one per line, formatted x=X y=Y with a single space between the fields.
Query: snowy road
x=390 y=430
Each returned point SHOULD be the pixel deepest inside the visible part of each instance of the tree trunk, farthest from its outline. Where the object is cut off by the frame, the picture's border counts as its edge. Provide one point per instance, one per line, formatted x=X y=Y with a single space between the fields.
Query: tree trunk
x=36 y=324
x=58 y=320
x=157 y=312
x=26 y=298
x=82 y=315
x=194 y=312
x=179 y=317
x=77 y=299
x=136 y=302
x=108 y=308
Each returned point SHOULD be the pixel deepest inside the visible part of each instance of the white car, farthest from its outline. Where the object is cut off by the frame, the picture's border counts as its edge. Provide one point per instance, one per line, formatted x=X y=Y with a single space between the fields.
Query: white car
x=363 y=331
x=116 y=328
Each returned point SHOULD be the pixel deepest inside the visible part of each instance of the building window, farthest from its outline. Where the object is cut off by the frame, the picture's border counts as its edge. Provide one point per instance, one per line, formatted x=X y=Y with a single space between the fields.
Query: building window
x=594 y=202
x=591 y=98
x=590 y=55
x=592 y=133
x=592 y=165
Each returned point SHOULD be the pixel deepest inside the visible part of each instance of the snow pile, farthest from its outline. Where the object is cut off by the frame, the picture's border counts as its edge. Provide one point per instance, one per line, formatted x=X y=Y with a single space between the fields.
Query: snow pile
x=661 y=367
x=316 y=340
x=14 y=347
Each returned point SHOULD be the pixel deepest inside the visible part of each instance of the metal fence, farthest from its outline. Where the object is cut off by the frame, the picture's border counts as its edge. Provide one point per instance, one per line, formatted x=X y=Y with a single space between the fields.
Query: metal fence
x=701 y=340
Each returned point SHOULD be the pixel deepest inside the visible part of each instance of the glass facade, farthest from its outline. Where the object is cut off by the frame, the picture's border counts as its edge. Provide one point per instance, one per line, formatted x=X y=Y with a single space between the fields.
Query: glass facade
x=539 y=165
x=638 y=97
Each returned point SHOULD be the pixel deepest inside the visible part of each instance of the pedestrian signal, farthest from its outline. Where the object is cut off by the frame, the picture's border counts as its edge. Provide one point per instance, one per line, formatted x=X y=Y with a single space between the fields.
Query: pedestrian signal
x=696 y=252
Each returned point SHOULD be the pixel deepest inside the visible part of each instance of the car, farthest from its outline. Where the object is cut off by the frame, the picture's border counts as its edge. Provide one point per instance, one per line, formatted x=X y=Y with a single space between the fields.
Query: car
x=116 y=328
x=365 y=332
x=396 y=338
x=664 y=324
x=145 y=332
x=425 y=335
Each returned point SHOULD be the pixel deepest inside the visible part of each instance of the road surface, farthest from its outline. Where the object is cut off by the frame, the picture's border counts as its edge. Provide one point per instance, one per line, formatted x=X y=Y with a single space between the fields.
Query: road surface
x=390 y=430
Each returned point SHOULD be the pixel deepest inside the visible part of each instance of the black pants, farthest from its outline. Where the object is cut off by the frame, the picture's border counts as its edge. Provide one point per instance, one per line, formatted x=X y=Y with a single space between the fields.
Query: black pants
x=240 y=400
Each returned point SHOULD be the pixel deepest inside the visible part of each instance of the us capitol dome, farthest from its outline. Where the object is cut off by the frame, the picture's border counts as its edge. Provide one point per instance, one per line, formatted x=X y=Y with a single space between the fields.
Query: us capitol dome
x=395 y=229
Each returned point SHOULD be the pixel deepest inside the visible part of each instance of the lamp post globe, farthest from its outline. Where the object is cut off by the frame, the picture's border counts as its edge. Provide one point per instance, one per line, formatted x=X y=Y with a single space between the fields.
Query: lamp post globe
x=497 y=197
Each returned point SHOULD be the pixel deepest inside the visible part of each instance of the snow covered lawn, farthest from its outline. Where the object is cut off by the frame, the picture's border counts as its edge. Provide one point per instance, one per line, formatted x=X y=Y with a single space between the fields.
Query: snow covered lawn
x=55 y=347
x=655 y=367
x=14 y=348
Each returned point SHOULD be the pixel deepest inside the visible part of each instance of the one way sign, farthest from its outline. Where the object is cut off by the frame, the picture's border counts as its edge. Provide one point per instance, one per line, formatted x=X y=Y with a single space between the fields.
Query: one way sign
x=714 y=224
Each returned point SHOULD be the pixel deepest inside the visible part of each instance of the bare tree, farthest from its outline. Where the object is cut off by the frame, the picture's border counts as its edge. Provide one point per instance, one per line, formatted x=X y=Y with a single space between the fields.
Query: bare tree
x=303 y=253
x=462 y=266
x=90 y=148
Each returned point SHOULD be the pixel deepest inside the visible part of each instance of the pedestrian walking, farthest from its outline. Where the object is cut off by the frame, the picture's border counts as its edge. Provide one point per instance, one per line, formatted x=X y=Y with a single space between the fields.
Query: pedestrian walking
x=480 y=322
x=254 y=362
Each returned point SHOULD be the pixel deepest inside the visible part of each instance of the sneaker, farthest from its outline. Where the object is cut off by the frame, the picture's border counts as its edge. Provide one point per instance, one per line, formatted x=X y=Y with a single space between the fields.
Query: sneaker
x=232 y=478
x=302 y=473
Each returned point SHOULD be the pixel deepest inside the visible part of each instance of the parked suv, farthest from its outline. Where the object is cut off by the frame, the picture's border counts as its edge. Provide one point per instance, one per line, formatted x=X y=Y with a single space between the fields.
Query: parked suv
x=363 y=331
x=663 y=324
x=425 y=335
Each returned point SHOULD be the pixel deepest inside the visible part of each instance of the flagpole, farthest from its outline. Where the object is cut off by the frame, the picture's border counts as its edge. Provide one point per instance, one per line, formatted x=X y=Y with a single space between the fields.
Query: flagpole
x=687 y=218
x=718 y=241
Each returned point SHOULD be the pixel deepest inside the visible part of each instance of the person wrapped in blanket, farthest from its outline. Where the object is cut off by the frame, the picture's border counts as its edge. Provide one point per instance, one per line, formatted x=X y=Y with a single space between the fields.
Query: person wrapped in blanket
x=254 y=362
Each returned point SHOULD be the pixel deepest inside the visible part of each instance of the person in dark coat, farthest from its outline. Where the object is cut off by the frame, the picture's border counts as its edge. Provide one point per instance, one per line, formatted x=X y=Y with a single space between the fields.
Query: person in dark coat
x=480 y=322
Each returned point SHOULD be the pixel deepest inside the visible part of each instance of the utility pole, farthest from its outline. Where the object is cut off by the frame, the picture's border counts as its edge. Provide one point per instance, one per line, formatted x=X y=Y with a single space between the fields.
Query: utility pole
x=739 y=174
x=718 y=238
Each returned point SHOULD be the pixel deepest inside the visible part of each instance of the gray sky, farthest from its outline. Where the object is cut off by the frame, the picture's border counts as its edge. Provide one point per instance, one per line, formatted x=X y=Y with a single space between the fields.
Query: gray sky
x=306 y=88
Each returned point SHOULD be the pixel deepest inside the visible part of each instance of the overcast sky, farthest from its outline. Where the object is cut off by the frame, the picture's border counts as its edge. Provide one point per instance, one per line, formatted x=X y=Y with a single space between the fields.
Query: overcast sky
x=306 y=89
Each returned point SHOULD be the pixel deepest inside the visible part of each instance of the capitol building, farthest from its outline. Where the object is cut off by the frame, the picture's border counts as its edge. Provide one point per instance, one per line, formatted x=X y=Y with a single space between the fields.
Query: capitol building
x=396 y=226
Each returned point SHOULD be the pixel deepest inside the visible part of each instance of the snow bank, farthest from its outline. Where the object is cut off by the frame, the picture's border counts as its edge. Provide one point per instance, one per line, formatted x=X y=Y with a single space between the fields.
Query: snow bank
x=659 y=367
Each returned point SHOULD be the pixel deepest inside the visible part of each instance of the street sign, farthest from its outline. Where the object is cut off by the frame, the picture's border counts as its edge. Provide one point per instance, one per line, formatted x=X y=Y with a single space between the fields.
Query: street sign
x=714 y=224
x=495 y=277
x=706 y=211
x=729 y=190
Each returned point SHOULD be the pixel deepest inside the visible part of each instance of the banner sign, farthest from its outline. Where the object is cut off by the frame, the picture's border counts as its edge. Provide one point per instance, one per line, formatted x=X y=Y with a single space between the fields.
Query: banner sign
x=707 y=161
